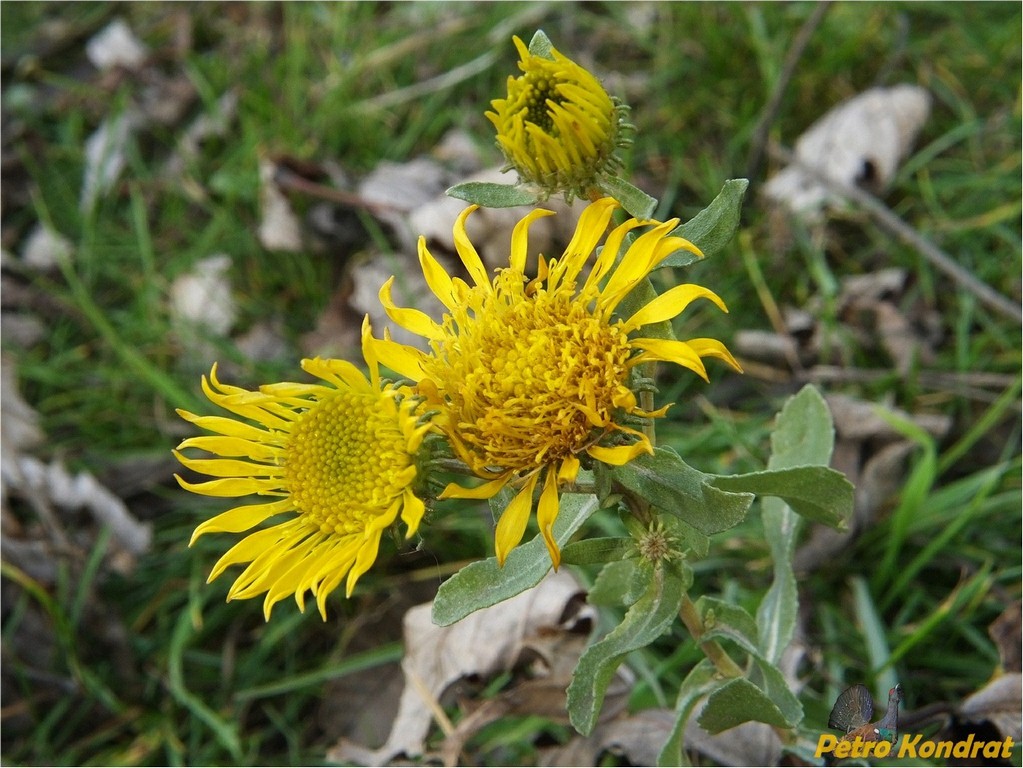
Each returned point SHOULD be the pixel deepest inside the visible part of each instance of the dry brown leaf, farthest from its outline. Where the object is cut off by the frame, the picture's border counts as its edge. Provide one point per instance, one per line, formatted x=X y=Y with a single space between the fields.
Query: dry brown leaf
x=1007 y=633
x=859 y=142
x=482 y=644
x=279 y=226
x=998 y=703
x=116 y=46
x=202 y=297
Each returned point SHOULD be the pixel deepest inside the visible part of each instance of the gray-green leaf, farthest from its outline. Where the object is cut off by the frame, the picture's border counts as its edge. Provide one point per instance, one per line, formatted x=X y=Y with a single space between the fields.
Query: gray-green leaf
x=485 y=583
x=647 y=619
x=634 y=200
x=712 y=228
x=815 y=492
x=673 y=486
x=490 y=195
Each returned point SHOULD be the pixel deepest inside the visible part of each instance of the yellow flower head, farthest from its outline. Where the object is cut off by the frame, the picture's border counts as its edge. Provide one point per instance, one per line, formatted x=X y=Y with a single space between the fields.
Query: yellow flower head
x=337 y=456
x=530 y=375
x=558 y=127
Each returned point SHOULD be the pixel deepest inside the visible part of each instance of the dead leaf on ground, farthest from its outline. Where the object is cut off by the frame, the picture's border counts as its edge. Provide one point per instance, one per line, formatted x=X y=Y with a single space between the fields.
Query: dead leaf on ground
x=280 y=228
x=202 y=297
x=1007 y=633
x=116 y=46
x=859 y=142
x=998 y=703
x=484 y=643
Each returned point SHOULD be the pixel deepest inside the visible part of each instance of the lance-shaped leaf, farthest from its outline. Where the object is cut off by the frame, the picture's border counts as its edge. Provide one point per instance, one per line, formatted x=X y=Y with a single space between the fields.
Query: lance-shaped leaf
x=674 y=487
x=634 y=200
x=739 y=701
x=647 y=619
x=712 y=228
x=700 y=681
x=491 y=195
x=485 y=583
x=600 y=550
x=817 y=493
x=803 y=435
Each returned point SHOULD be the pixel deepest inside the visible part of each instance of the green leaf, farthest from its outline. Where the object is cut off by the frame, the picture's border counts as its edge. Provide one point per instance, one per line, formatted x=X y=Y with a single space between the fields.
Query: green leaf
x=484 y=583
x=541 y=45
x=490 y=195
x=817 y=493
x=673 y=486
x=634 y=200
x=739 y=701
x=724 y=620
x=701 y=680
x=602 y=550
x=616 y=584
x=647 y=619
x=713 y=227
x=803 y=434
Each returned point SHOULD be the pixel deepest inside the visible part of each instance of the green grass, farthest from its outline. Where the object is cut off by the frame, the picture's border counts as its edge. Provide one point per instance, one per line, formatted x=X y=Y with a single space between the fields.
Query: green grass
x=152 y=667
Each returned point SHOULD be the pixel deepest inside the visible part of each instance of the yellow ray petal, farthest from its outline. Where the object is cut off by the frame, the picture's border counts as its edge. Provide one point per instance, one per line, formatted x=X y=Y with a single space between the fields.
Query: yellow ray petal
x=678 y=352
x=513 y=520
x=588 y=232
x=412 y=320
x=232 y=446
x=609 y=253
x=229 y=467
x=232 y=427
x=412 y=512
x=634 y=266
x=547 y=513
x=670 y=304
x=366 y=557
x=436 y=277
x=519 y=240
x=621 y=454
x=241 y=518
x=404 y=360
x=467 y=252
x=569 y=470
x=485 y=491
x=714 y=348
x=235 y=486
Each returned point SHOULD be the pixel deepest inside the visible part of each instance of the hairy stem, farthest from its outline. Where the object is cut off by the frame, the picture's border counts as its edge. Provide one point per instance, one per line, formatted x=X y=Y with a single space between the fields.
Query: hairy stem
x=718 y=656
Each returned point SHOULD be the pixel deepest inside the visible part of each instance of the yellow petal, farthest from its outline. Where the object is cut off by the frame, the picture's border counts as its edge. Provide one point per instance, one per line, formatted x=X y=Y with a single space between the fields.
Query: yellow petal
x=412 y=320
x=485 y=491
x=467 y=252
x=366 y=557
x=634 y=266
x=547 y=513
x=513 y=520
x=569 y=470
x=670 y=304
x=235 y=486
x=670 y=245
x=412 y=511
x=588 y=232
x=519 y=240
x=341 y=373
x=714 y=348
x=404 y=360
x=678 y=352
x=229 y=467
x=232 y=427
x=241 y=518
x=621 y=454
x=609 y=252
x=232 y=446
x=436 y=276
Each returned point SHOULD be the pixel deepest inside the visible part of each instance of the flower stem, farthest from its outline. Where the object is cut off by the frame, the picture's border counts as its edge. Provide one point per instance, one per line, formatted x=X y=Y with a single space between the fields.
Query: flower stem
x=718 y=656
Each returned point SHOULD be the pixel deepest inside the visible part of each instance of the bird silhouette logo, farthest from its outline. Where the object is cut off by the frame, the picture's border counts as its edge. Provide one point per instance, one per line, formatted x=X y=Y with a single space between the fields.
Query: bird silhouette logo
x=853 y=710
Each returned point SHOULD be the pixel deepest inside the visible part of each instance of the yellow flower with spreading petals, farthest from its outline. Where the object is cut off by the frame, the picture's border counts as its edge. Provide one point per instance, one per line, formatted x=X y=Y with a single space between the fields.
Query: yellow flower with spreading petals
x=558 y=127
x=339 y=459
x=531 y=375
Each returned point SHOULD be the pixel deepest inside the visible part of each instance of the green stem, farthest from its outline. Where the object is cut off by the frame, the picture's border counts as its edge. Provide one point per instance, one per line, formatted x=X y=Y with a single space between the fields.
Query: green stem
x=718 y=656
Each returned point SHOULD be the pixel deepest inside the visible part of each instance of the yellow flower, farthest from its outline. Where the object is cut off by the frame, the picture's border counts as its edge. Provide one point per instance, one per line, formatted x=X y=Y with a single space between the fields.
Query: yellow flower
x=531 y=375
x=338 y=457
x=558 y=127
